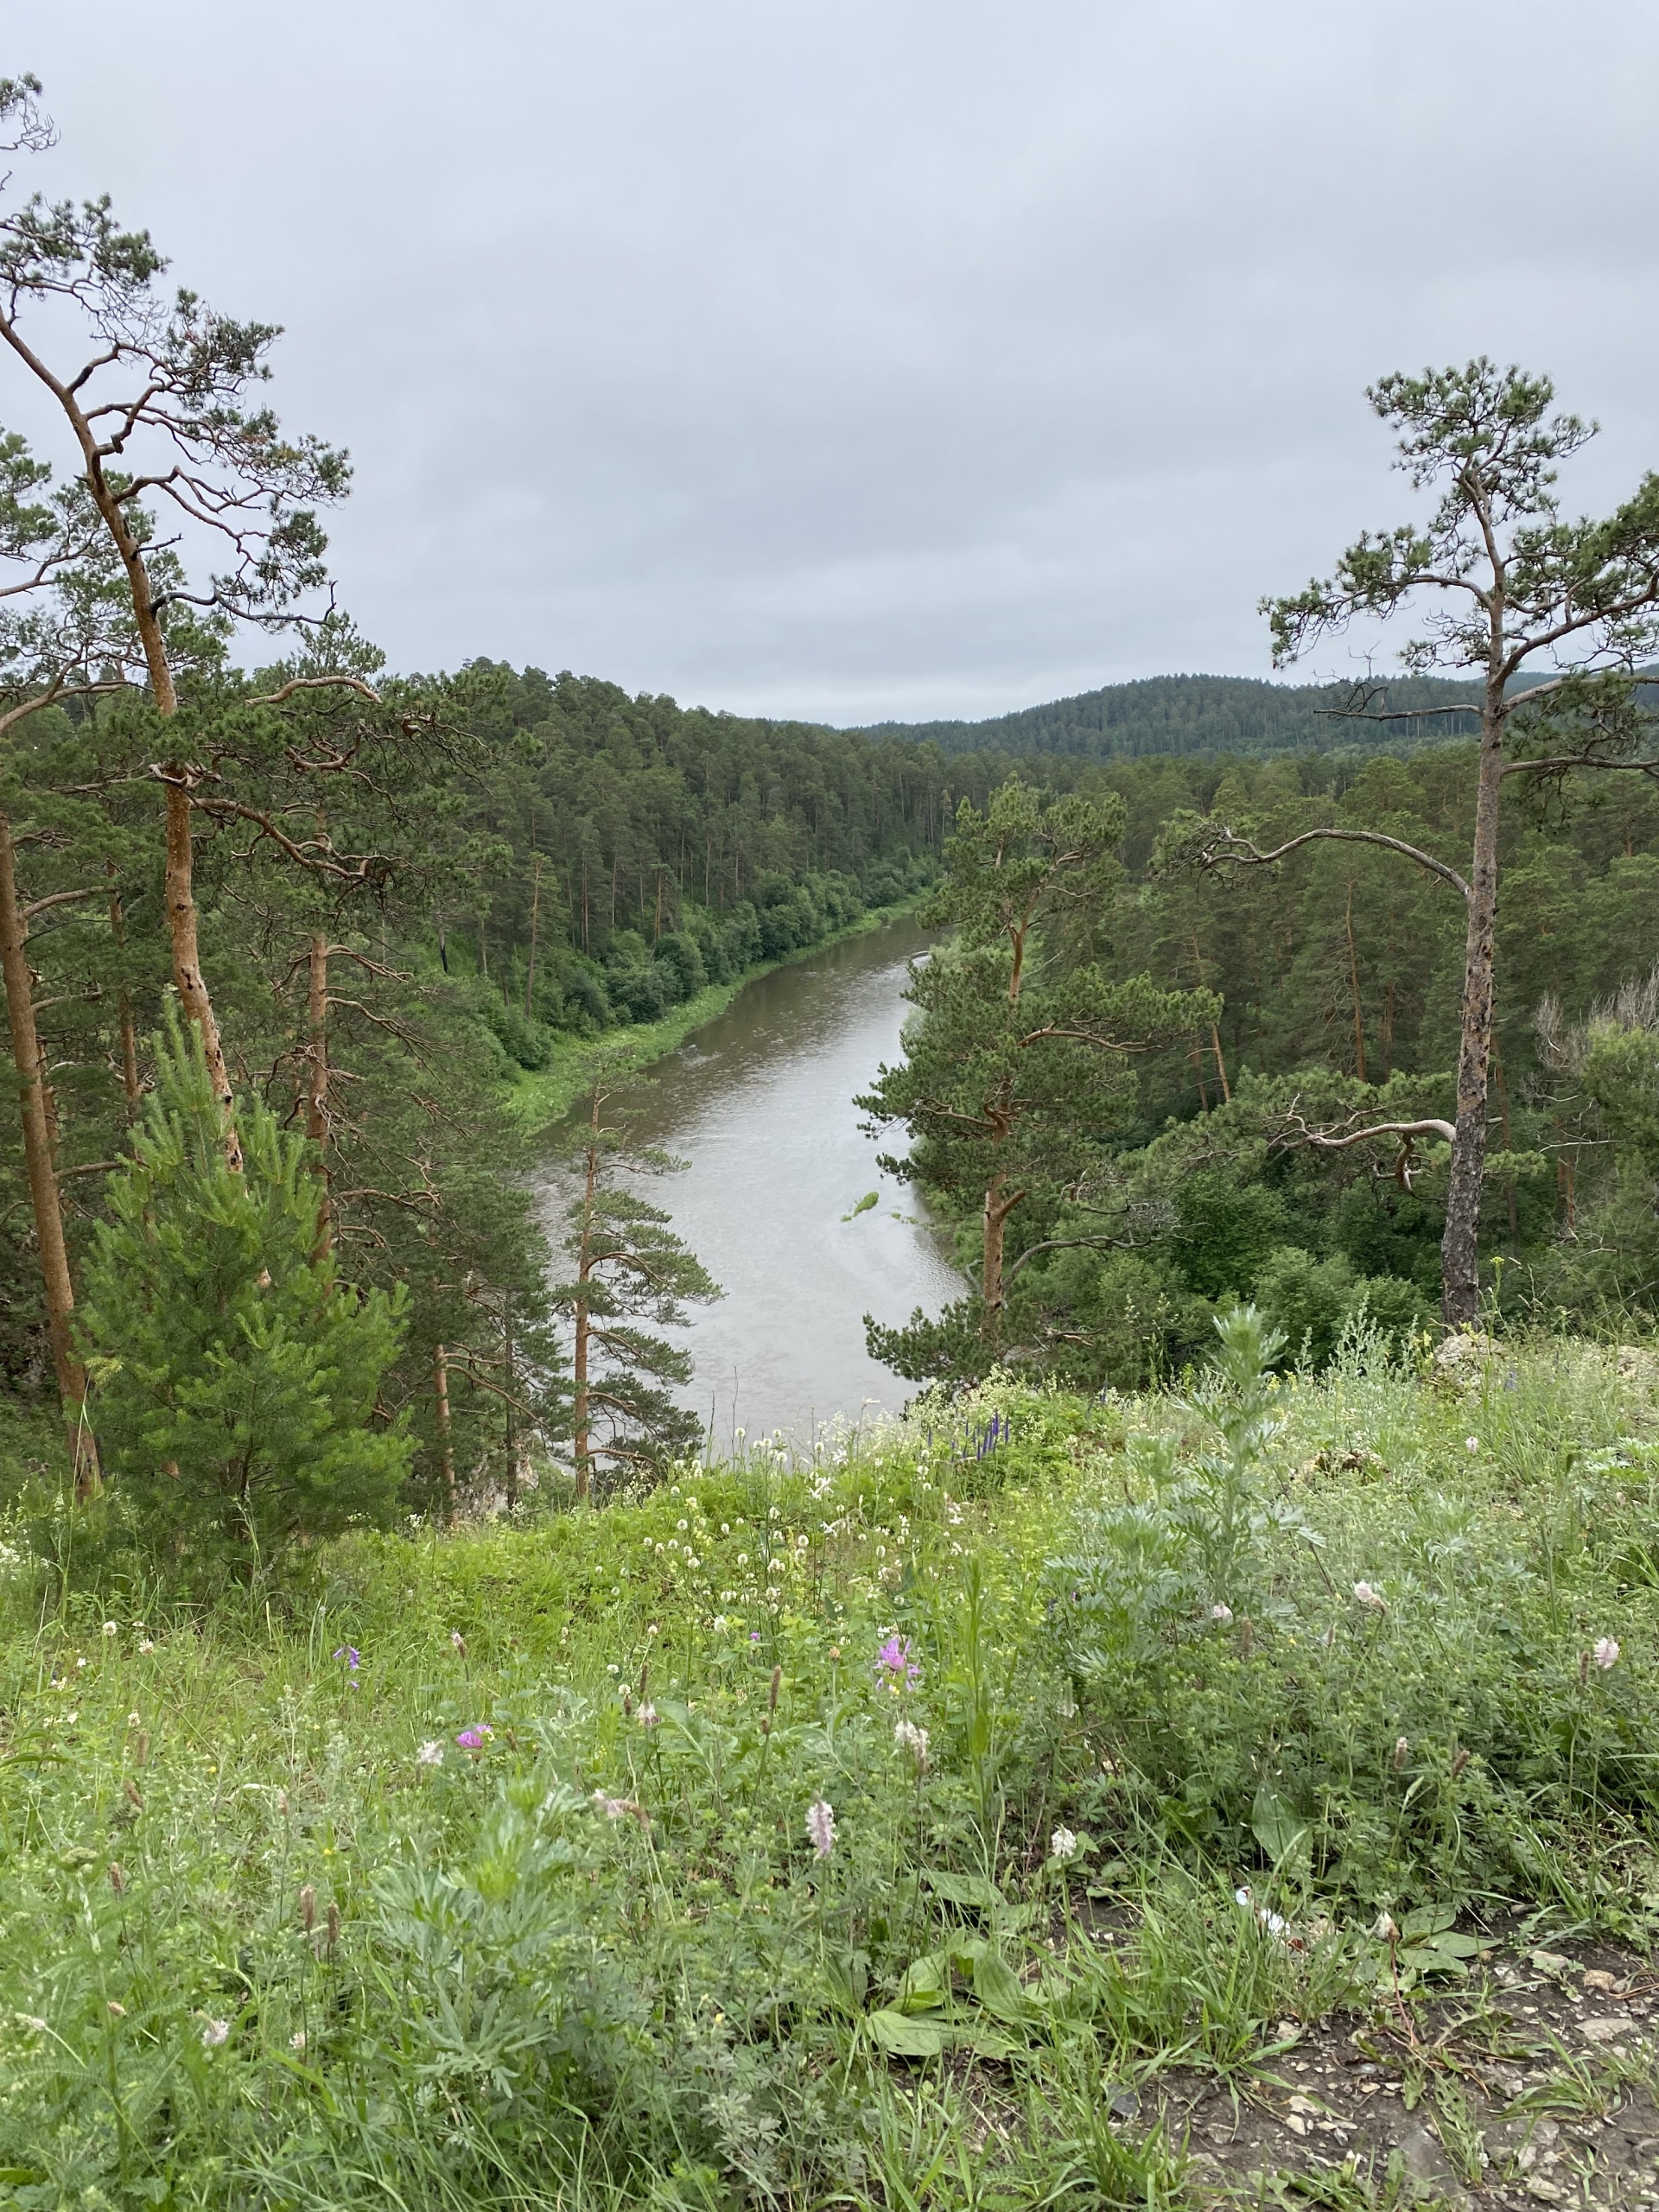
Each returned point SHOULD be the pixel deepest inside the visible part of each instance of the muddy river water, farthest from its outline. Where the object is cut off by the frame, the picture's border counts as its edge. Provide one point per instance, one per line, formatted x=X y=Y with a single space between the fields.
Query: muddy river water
x=760 y=1103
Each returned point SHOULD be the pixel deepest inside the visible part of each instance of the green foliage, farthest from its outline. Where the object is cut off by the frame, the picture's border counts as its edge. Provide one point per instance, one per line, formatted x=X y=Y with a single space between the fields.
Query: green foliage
x=237 y=1376
x=489 y=1877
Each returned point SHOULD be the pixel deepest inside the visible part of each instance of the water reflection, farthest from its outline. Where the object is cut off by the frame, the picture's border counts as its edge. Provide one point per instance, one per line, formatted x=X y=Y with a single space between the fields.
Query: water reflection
x=760 y=1104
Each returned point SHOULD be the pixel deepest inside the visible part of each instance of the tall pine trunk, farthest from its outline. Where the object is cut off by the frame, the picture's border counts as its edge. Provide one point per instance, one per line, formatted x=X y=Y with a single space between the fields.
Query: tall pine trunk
x=38 y=1159
x=1460 y=1245
x=445 y=1432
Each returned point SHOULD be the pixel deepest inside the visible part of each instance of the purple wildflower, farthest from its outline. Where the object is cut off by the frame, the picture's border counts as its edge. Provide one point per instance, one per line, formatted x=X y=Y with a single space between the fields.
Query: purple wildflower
x=820 y=1828
x=474 y=1739
x=350 y=1654
x=896 y=1666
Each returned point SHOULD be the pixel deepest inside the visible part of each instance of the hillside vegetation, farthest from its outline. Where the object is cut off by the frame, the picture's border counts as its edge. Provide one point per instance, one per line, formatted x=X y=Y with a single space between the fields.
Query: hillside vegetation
x=955 y=1819
x=1180 y=715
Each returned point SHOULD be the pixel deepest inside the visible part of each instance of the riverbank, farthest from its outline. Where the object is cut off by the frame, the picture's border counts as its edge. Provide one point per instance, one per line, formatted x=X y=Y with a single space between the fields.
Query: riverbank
x=538 y=1100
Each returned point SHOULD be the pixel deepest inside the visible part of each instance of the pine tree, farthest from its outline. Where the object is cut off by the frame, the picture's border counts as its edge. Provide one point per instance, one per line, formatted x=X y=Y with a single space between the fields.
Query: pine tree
x=630 y=1267
x=237 y=1375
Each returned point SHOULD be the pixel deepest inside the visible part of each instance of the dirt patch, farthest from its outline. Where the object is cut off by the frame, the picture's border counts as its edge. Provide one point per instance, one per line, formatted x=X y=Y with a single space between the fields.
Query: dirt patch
x=1531 y=2085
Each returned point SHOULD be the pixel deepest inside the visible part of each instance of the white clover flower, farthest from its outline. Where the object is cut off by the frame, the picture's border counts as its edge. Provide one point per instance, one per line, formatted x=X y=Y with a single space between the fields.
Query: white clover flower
x=820 y=1828
x=430 y=1754
x=110 y=1627
x=1471 y=1444
x=214 y=2033
x=1222 y=1613
x=147 y=1646
x=1606 y=1653
x=647 y=1716
x=1063 y=1844
x=297 y=2041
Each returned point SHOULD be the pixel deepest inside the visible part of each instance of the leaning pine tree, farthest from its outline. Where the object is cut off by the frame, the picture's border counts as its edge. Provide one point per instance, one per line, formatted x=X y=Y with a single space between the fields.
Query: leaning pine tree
x=236 y=1375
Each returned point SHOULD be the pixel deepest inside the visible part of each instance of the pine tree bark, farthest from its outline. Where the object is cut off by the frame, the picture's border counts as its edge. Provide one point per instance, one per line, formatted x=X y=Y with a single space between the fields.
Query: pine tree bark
x=1461 y=1245
x=42 y=1168
x=446 y=1433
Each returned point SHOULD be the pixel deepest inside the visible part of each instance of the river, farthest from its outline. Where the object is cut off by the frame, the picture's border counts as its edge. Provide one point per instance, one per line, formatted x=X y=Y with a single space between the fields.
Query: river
x=760 y=1103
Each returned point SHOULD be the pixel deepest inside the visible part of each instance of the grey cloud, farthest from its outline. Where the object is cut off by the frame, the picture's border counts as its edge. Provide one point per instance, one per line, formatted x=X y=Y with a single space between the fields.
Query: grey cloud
x=890 y=357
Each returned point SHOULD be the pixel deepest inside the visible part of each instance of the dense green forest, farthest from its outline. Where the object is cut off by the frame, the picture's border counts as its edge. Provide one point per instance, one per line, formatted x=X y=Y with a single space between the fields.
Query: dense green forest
x=1338 y=980
x=1199 y=713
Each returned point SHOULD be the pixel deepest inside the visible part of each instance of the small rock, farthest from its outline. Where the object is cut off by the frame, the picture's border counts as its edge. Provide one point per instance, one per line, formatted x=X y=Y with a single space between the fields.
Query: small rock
x=1425 y=2162
x=1598 y=1978
x=1605 y=2030
x=1547 y=2191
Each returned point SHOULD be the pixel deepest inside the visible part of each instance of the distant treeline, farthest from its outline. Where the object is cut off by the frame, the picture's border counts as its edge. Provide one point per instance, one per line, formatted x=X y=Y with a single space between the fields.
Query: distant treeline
x=1203 y=713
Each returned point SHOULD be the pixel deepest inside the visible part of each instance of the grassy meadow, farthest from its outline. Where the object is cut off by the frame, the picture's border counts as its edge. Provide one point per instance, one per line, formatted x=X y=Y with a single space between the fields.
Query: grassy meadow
x=935 y=1823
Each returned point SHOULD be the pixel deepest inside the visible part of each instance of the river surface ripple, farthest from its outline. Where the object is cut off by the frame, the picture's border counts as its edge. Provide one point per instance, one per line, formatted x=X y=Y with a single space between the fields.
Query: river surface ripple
x=759 y=1103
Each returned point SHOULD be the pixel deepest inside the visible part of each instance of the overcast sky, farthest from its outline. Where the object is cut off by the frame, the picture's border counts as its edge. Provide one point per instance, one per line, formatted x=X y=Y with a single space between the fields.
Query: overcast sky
x=882 y=358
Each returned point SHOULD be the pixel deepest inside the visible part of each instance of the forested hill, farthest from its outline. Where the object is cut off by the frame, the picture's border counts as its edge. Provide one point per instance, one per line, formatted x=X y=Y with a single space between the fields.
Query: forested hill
x=1199 y=713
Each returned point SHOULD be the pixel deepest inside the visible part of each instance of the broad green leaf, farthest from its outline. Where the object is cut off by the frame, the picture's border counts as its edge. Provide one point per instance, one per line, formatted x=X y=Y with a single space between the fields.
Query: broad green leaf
x=905 y=2038
x=1427 y=1920
x=997 y=1987
x=972 y=1889
x=1277 y=1824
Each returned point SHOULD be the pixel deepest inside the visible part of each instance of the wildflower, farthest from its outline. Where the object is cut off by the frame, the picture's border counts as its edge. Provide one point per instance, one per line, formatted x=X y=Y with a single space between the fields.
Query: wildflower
x=474 y=1739
x=430 y=1753
x=1222 y=1613
x=820 y=1828
x=118 y=1879
x=147 y=1646
x=648 y=1716
x=1471 y=1444
x=896 y=1667
x=1606 y=1653
x=755 y=1636
x=307 y=1908
x=1385 y=1931
x=297 y=2041
x=350 y=1654
x=111 y=1628
x=458 y=1642
x=133 y=1720
x=835 y=1651
x=1367 y=1596
x=909 y=1738
x=1063 y=1844
x=1401 y=1749
x=1241 y=1897
x=214 y=2032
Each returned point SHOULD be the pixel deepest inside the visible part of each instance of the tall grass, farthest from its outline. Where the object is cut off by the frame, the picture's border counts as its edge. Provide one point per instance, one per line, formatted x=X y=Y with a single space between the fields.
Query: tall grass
x=477 y=1871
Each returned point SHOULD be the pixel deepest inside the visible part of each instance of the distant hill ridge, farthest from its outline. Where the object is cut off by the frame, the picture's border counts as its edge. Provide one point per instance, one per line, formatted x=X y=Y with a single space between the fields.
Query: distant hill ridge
x=1203 y=713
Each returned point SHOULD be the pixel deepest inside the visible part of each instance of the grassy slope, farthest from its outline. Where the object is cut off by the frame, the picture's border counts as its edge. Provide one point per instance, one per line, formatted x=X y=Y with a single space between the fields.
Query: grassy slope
x=536 y=1101
x=261 y=1949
